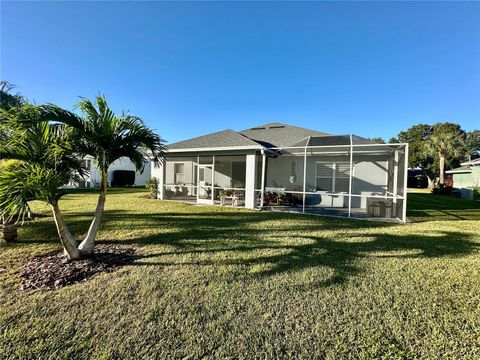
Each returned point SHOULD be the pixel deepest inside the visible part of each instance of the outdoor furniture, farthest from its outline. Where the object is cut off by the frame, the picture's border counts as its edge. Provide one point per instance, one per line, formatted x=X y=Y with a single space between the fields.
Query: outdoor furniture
x=379 y=207
x=313 y=199
x=233 y=198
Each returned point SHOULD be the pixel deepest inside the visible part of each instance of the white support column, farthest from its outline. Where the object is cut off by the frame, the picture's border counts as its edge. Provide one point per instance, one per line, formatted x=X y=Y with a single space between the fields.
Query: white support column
x=405 y=180
x=198 y=177
x=213 y=179
x=387 y=164
x=262 y=194
x=159 y=173
x=350 y=179
x=395 y=183
x=304 y=176
x=250 y=177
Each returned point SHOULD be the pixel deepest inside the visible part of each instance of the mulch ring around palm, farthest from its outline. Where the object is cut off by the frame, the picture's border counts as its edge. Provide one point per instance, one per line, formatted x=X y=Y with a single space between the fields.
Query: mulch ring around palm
x=53 y=270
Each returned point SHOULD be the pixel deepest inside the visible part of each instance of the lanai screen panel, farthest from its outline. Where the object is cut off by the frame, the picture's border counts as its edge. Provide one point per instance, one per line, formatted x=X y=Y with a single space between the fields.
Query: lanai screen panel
x=181 y=178
x=341 y=176
x=229 y=179
x=327 y=179
x=284 y=178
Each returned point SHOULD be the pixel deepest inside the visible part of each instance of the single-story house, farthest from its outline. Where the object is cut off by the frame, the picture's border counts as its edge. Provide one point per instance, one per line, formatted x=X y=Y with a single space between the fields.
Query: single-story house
x=118 y=168
x=288 y=168
x=466 y=177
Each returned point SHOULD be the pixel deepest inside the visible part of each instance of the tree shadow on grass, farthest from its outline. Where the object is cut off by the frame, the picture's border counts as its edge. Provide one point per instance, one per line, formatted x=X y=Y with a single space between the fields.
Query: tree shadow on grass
x=289 y=248
x=429 y=207
x=247 y=239
x=339 y=256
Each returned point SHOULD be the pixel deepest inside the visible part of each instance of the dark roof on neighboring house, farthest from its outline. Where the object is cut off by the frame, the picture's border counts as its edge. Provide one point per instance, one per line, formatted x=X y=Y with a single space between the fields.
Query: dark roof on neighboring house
x=268 y=135
x=225 y=138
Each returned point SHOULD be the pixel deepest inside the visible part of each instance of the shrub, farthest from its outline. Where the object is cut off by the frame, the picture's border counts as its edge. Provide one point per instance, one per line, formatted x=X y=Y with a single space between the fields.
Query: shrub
x=152 y=185
x=476 y=192
x=442 y=189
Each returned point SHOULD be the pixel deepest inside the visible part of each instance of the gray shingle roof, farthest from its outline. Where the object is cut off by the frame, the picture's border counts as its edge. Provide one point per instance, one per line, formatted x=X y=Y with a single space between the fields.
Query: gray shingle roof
x=278 y=134
x=268 y=135
x=225 y=138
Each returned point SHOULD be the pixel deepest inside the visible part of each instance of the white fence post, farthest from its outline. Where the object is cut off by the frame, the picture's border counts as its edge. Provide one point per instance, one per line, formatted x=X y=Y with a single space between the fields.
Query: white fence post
x=350 y=179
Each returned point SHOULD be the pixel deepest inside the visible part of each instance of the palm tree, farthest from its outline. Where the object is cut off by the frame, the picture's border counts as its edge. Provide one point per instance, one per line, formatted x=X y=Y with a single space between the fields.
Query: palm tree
x=45 y=162
x=8 y=101
x=107 y=137
x=447 y=140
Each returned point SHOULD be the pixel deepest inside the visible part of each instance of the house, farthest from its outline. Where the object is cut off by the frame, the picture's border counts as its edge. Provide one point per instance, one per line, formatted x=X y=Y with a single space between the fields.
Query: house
x=92 y=179
x=466 y=177
x=288 y=168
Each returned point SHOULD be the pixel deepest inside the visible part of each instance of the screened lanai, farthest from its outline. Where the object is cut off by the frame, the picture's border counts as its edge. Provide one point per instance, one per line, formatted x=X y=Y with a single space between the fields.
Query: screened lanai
x=206 y=179
x=281 y=167
x=342 y=176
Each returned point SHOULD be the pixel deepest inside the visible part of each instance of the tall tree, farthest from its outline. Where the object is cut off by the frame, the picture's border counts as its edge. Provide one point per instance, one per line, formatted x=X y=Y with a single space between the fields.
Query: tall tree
x=107 y=137
x=473 y=144
x=416 y=136
x=447 y=141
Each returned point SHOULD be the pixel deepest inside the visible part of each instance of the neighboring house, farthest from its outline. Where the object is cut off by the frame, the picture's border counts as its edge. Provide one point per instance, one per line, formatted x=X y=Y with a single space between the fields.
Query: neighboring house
x=466 y=177
x=93 y=177
x=288 y=168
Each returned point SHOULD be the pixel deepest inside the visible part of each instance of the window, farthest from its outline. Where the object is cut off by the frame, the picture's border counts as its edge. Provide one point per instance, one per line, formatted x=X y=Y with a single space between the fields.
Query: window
x=333 y=177
x=179 y=171
x=88 y=164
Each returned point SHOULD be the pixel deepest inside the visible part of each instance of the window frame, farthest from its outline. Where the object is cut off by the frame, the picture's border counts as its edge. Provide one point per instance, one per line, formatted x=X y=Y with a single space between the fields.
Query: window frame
x=333 y=176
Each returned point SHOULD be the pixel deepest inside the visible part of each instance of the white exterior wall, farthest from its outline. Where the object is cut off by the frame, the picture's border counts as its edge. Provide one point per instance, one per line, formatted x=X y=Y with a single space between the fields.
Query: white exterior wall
x=120 y=164
x=159 y=173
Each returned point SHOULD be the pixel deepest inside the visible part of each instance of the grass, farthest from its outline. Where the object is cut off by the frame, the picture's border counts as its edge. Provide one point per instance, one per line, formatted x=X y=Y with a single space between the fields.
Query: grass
x=214 y=282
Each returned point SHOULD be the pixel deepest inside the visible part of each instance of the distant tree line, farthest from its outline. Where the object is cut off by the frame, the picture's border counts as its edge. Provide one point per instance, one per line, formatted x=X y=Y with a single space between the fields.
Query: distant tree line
x=435 y=148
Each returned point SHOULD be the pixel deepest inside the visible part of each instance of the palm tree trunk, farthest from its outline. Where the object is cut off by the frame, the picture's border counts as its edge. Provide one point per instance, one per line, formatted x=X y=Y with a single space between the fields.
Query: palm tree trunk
x=430 y=183
x=442 y=168
x=68 y=242
x=87 y=245
x=9 y=230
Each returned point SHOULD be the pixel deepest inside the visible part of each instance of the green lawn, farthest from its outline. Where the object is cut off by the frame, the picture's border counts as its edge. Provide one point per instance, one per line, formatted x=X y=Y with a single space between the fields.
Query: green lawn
x=214 y=282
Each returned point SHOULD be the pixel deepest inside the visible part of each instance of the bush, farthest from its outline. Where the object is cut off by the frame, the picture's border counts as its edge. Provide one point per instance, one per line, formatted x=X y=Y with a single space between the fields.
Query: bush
x=442 y=190
x=152 y=185
x=476 y=192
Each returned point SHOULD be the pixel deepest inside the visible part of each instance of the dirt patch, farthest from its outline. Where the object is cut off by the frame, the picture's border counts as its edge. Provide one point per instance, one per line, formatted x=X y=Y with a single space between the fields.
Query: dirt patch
x=53 y=271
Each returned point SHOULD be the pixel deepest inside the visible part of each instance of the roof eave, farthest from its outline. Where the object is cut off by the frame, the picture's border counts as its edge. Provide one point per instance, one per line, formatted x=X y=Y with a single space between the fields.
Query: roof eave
x=458 y=172
x=221 y=148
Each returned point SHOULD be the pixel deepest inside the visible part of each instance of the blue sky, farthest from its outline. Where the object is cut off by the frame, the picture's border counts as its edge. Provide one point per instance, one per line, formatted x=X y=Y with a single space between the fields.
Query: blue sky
x=188 y=69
